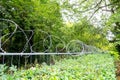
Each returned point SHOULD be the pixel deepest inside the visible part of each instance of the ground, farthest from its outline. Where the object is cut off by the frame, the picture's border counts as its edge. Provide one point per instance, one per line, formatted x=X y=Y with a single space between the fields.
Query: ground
x=117 y=63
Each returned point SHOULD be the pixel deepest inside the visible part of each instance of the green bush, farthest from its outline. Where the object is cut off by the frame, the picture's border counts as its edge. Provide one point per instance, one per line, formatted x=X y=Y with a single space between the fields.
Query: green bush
x=115 y=54
x=91 y=66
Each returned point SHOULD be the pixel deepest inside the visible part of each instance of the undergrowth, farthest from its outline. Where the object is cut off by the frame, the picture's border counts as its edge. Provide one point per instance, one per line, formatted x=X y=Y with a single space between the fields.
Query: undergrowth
x=85 y=67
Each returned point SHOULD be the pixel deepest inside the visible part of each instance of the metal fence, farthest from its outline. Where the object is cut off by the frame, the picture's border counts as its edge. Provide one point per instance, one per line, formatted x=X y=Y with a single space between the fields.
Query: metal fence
x=74 y=47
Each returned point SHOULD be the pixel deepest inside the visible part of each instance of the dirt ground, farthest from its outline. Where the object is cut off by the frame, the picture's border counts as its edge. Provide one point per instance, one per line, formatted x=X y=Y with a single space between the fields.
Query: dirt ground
x=117 y=64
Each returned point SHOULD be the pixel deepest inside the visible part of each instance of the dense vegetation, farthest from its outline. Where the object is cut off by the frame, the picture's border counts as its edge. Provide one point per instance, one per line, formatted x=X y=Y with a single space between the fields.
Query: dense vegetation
x=59 y=26
x=83 y=67
x=35 y=17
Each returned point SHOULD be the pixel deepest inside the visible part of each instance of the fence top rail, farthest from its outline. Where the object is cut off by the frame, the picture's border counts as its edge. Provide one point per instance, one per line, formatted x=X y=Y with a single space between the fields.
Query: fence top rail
x=12 y=54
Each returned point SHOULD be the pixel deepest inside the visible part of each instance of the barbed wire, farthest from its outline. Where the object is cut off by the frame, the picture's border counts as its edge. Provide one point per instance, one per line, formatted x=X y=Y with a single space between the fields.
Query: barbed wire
x=74 y=46
x=43 y=48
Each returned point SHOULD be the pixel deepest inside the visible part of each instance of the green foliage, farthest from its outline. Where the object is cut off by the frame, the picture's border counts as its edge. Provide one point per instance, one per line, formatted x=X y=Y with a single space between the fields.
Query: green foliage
x=86 y=32
x=75 y=68
x=3 y=68
x=30 y=15
x=115 y=54
x=45 y=15
x=114 y=23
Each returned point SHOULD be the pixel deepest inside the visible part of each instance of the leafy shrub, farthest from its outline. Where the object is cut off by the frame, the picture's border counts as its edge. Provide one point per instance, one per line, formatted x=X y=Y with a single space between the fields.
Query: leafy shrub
x=91 y=66
x=115 y=54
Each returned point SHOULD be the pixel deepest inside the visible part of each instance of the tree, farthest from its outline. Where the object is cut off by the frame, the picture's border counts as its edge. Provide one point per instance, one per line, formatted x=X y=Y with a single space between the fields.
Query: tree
x=114 y=21
x=36 y=20
x=85 y=32
x=32 y=15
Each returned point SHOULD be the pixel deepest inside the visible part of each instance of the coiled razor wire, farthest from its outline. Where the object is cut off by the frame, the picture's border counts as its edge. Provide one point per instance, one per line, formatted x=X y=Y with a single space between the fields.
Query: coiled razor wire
x=73 y=47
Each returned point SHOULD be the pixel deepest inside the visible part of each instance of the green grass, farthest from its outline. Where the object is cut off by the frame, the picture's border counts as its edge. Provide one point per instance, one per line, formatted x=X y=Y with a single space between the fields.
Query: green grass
x=85 y=67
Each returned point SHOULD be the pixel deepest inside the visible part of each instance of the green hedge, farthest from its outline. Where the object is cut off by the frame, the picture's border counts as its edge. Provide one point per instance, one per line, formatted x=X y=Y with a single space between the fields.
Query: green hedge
x=85 y=67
